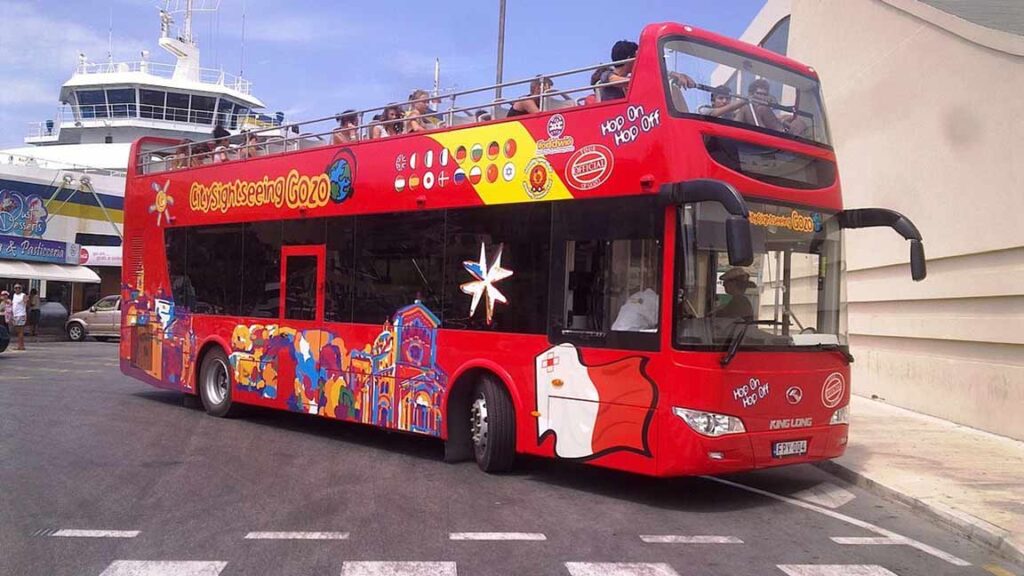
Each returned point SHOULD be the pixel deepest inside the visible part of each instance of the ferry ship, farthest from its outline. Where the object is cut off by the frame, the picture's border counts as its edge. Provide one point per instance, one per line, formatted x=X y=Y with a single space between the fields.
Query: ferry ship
x=62 y=194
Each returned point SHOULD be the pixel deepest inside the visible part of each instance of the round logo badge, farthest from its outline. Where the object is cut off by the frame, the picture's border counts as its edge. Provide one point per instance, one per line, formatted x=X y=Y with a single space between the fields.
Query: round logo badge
x=833 y=390
x=556 y=126
x=589 y=167
x=794 y=395
x=538 y=178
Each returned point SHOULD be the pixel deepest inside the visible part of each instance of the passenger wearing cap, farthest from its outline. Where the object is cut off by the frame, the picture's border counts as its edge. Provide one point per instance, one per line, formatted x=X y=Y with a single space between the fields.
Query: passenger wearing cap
x=736 y=282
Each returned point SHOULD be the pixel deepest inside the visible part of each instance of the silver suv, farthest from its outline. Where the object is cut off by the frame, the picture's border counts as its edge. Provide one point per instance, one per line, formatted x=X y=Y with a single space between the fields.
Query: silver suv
x=102 y=320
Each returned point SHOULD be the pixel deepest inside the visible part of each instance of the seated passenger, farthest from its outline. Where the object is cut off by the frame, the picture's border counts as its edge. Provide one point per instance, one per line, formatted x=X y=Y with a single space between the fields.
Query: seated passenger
x=626 y=50
x=348 y=128
x=250 y=146
x=722 y=104
x=420 y=116
x=391 y=125
x=181 y=157
x=531 y=105
x=758 y=110
x=595 y=81
x=482 y=116
x=736 y=282
x=220 y=146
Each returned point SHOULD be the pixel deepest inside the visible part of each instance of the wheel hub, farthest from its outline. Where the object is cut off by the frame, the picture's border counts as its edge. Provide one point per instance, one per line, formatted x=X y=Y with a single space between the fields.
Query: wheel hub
x=478 y=422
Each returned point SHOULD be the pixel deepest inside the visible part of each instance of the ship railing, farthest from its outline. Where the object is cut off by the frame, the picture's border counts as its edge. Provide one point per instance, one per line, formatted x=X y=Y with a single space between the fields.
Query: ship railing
x=464 y=108
x=84 y=113
x=11 y=159
x=206 y=75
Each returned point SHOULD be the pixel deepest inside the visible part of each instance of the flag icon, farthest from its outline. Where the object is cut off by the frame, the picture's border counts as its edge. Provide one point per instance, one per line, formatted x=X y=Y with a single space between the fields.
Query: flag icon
x=428 y=180
x=414 y=182
x=428 y=159
x=399 y=183
x=477 y=152
x=510 y=148
x=460 y=154
x=474 y=174
x=444 y=157
x=492 y=173
x=493 y=150
x=460 y=176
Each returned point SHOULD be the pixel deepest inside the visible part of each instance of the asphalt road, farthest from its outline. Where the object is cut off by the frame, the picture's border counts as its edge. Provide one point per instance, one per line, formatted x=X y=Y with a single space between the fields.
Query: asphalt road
x=103 y=475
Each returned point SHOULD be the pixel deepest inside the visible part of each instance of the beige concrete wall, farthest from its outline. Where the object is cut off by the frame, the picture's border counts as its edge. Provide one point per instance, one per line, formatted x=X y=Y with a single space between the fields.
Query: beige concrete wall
x=928 y=119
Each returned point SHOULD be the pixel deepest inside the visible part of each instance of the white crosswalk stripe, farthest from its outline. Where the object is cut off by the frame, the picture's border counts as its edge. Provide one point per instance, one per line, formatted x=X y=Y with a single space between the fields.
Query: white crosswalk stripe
x=867 y=540
x=494 y=536
x=619 y=569
x=297 y=536
x=76 y=533
x=834 y=570
x=163 y=568
x=825 y=494
x=398 y=569
x=679 y=539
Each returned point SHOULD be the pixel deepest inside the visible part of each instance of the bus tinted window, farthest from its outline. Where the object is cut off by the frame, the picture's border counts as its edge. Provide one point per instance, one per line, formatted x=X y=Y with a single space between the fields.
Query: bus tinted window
x=214 y=267
x=522 y=233
x=399 y=259
x=176 y=245
x=261 y=290
x=339 y=270
x=609 y=258
x=300 y=288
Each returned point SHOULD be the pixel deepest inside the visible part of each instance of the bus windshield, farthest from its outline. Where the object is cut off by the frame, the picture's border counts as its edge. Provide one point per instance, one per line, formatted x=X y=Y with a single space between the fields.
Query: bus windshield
x=791 y=296
x=732 y=87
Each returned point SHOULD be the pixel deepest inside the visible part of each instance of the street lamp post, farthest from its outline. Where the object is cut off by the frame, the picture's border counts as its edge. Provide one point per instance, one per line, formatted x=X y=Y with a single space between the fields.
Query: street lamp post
x=501 y=48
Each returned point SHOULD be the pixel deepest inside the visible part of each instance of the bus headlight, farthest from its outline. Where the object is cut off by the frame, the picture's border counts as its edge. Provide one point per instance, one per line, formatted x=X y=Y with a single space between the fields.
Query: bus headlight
x=709 y=423
x=841 y=416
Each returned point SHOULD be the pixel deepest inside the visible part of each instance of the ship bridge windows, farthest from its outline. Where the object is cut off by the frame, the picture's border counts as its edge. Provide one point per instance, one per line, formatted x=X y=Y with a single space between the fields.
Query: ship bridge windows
x=92 y=103
x=121 y=102
x=111 y=103
x=177 y=107
x=152 y=103
x=201 y=110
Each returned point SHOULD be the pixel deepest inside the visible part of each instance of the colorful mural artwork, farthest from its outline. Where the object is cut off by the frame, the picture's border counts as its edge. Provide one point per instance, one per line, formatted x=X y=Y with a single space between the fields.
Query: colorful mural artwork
x=593 y=410
x=22 y=214
x=393 y=382
x=162 y=342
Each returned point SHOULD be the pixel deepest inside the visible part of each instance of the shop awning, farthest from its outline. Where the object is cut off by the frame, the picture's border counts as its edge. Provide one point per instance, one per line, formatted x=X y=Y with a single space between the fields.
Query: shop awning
x=40 y=271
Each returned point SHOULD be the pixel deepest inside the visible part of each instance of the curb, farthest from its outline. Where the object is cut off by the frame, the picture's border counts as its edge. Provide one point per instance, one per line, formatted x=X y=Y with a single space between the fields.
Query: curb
x=970 y=527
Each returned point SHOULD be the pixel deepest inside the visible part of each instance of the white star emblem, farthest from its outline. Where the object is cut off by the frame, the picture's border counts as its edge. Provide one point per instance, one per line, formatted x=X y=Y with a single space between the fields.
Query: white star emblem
x=485 y=278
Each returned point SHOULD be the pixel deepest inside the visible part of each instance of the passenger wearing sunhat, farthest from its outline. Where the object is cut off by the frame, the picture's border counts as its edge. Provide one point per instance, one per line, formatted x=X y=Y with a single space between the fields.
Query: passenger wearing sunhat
x=736 y=282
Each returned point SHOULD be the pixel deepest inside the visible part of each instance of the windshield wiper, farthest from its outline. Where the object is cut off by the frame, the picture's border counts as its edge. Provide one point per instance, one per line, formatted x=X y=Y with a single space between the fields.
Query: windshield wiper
x=734 y=344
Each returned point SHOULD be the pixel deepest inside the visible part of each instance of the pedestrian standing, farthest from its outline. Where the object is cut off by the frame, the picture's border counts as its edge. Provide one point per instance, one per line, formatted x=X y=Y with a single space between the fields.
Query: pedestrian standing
x=5 y=309
x=19 y=314
x=33 y=311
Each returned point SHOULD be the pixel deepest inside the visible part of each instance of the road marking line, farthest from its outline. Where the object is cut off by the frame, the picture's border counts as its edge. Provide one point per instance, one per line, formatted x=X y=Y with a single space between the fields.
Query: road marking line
x=997 y=570
x=163 y=568
x=825 y=494
x=848 y=519
x=496 y=536
x=619 y=569
x=73 y=533
x=297 y=536
x=675 y=539
x=398 y=569
x=869 y=540
x=834 y=570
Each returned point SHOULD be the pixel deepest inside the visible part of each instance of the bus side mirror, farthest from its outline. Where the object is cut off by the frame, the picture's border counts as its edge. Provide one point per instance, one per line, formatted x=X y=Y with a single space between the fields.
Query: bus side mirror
x=918 y=268
x=737 y=238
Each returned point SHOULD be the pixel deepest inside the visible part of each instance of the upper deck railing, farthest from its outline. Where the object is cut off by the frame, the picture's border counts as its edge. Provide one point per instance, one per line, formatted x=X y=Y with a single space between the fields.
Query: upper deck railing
x=464 y=108
x=210 y=76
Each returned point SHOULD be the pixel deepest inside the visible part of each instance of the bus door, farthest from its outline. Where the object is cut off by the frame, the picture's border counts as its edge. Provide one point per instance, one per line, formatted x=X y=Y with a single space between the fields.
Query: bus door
x=302 y=316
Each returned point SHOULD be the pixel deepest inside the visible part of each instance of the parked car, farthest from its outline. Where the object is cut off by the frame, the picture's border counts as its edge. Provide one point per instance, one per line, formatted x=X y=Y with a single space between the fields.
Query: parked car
x=101 y=321
x=5 y=338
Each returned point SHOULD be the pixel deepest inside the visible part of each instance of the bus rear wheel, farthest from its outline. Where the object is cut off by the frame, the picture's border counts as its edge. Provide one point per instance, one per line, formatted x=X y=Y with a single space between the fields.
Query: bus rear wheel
x=215 y=384
x=492 y=427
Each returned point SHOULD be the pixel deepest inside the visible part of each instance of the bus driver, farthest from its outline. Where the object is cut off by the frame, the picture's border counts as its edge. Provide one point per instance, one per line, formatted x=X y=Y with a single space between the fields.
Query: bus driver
x=736 y=282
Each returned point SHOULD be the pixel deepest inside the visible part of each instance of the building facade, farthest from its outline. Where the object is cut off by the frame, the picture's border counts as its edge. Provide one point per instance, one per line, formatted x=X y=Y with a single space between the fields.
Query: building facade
x=926 y=115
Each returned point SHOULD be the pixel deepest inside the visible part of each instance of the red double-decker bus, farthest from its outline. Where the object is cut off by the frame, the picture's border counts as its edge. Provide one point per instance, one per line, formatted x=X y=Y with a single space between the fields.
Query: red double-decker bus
x=653 y=283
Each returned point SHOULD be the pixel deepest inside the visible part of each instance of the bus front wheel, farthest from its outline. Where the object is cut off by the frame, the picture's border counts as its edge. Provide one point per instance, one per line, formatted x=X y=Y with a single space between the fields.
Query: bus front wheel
x=492 y=426
x=215 y=384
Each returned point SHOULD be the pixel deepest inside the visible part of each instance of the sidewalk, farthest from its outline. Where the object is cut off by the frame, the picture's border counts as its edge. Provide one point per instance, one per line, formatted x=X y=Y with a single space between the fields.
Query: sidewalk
x=969 y=480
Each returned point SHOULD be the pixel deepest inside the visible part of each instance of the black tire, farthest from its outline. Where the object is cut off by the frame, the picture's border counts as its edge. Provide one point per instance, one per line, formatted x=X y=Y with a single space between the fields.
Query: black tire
x=215 y=384
x=492 y=426
x=76 y=332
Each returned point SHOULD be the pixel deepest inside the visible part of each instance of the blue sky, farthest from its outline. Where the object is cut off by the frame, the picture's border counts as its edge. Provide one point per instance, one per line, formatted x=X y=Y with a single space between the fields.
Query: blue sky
x=311 y=59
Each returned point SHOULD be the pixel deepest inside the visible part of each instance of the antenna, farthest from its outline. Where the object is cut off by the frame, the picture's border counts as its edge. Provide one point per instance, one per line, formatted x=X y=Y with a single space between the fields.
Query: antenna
x=110 y=35
x=241 y=63
x=437 y=77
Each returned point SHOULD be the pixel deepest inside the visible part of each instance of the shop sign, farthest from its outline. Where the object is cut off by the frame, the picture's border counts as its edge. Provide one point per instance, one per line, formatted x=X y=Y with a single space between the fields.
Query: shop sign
x=100 y=256
x=38 y=250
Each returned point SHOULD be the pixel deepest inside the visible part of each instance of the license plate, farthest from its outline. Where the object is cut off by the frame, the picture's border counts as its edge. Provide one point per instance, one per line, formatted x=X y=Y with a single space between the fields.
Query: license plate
x=794 y=448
